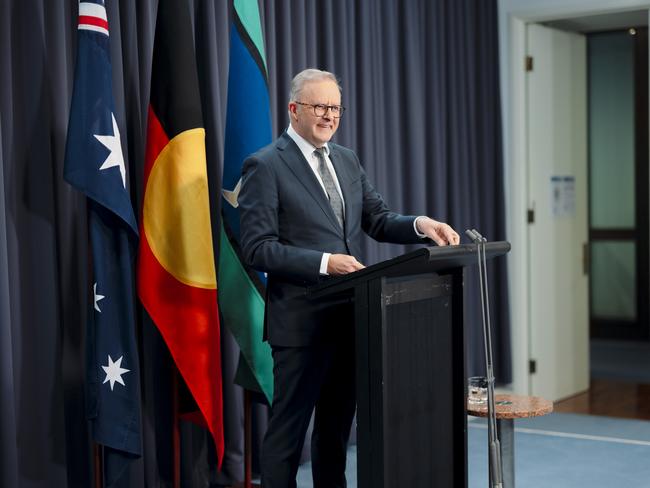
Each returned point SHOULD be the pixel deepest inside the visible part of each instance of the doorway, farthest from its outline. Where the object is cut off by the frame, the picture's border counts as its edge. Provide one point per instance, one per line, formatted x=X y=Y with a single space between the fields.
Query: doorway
x=616 y=254
x=619 y=230
x=618 y=187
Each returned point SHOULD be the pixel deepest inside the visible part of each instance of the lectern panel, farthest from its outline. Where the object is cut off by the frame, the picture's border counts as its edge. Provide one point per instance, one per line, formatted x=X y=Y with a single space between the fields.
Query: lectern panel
x=417 y=381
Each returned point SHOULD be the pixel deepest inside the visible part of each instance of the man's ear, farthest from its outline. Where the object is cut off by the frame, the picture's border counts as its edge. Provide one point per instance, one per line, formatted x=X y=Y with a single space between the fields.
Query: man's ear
x=292 y=107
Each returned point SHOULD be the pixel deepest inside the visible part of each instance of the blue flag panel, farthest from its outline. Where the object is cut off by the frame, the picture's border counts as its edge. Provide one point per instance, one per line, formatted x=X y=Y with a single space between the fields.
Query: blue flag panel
x=247 y=94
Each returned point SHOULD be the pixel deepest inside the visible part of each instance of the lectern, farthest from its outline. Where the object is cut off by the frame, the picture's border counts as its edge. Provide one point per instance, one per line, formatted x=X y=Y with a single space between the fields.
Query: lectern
x=410 y=366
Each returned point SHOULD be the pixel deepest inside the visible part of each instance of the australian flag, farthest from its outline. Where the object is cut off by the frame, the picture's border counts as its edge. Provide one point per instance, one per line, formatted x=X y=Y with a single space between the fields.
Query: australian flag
x=94 y=164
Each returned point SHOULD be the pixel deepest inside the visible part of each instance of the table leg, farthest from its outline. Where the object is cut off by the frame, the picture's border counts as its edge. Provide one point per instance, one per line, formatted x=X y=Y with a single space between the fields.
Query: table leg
x=506 y=433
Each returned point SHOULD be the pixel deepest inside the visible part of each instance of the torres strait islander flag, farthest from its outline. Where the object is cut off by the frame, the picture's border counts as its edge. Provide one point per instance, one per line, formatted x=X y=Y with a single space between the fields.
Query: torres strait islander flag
x=176 y=272
x=248 y=128
x=94 y=164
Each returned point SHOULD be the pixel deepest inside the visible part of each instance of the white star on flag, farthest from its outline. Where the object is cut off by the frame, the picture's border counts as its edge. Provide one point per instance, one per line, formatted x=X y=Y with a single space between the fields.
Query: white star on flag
x=232 y=196
x=114 y=371
x=114 y=145
x=97 y=297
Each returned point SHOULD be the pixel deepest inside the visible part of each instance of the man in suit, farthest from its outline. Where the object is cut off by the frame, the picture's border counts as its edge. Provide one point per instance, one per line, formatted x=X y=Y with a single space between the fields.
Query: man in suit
x=304 y=204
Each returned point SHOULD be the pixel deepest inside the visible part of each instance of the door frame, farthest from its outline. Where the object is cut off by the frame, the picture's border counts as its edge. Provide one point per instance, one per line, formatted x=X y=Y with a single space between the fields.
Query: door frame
x=513 y=48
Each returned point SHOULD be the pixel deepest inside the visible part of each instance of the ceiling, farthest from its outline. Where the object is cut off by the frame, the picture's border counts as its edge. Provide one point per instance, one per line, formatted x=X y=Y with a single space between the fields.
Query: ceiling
x=603 y=22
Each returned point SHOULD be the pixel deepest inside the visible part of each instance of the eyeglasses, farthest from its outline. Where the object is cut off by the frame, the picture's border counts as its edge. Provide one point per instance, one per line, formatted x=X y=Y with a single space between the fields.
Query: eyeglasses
x=320 y=110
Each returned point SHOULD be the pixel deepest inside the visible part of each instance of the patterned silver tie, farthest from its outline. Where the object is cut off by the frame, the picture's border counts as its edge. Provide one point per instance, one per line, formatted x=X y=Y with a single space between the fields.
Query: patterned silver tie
x=330 y=186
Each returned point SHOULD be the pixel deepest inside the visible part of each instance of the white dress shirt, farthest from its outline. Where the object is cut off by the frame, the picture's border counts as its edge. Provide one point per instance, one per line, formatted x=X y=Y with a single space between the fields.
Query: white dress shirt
x=307 y=149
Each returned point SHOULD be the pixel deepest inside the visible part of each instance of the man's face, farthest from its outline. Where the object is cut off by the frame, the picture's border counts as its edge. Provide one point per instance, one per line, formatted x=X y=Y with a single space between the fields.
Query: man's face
x=317 y=130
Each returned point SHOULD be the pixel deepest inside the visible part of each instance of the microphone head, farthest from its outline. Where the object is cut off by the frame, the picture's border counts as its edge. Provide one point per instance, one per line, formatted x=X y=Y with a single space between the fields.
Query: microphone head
x=471 y=234
x=479 y=236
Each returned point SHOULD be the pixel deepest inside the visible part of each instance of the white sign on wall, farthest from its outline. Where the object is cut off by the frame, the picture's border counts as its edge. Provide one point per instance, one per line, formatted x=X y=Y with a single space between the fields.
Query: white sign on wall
x=563 y=196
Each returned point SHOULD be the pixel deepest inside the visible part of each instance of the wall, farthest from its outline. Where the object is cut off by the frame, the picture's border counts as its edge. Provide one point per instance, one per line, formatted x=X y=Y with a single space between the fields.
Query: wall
x=513 y=15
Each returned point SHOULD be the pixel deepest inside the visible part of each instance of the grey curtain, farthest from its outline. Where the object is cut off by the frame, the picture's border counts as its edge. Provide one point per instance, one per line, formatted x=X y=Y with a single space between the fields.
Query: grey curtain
x=420 y=81
x=421 y=87
x=7 y=406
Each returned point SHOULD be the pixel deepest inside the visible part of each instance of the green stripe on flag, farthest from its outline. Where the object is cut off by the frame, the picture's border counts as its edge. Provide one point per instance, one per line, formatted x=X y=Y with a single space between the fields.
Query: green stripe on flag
x=244 y=315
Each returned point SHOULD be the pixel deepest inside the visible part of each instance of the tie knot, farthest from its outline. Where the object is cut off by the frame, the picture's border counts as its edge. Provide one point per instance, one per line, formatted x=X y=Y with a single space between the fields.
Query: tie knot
x=320 y=152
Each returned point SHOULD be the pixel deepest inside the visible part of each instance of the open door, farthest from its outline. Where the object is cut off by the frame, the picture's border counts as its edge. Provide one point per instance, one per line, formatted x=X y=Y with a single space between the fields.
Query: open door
x=556 y=97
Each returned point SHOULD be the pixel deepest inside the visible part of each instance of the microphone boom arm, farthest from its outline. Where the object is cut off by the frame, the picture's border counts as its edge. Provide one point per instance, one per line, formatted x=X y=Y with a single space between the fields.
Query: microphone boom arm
x=494 y=447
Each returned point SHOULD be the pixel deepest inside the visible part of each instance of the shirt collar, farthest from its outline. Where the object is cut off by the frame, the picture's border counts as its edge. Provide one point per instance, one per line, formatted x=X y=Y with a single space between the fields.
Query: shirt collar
x=306 y=147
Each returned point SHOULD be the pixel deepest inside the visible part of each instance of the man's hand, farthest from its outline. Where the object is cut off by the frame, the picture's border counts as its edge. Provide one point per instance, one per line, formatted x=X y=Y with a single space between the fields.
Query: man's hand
x=441 y=233
x=340 y=264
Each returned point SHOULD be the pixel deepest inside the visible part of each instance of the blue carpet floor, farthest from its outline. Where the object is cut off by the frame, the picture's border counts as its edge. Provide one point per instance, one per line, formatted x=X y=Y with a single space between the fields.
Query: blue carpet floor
x=559 y=450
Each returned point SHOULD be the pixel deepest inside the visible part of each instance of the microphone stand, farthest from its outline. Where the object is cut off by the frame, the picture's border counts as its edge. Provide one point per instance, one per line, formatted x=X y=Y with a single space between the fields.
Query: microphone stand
x=494 y=447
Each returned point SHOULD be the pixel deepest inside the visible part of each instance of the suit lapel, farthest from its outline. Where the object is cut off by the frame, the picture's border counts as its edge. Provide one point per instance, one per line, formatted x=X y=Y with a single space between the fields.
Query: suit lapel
x=294 y=159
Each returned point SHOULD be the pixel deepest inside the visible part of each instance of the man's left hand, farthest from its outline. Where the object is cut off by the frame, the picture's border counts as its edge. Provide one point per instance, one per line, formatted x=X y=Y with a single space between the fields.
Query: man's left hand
x=441 y=233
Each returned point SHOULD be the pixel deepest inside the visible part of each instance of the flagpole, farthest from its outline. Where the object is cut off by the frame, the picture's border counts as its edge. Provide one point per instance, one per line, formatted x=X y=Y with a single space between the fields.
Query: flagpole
x=99 y=472
x=248 y=443
x=176 y=434
x=248 y=448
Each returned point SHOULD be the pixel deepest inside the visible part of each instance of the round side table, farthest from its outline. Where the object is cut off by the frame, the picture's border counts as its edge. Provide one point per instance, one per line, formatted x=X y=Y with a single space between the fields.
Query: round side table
x=510 y=407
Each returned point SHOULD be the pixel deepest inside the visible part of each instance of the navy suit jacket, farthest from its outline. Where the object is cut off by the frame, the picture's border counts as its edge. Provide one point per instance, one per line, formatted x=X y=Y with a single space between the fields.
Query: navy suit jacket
x=287 y=224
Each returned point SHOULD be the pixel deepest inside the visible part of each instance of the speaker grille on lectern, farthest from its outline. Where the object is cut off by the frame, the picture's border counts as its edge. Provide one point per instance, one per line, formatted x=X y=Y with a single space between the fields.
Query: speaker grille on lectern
x=412 y=404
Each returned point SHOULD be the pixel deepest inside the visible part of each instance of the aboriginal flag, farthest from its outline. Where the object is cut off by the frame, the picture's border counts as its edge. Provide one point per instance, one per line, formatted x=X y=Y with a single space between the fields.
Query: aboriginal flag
x=176 y=269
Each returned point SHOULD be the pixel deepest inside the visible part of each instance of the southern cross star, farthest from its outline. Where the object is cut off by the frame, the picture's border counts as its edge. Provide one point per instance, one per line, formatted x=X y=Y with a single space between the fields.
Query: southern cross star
x=97 y=297
x=114 y=371
x=114 y=145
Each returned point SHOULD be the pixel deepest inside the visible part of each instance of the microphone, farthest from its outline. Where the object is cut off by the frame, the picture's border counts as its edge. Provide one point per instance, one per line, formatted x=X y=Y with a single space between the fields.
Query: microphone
x=472 y=235
x=479 y=236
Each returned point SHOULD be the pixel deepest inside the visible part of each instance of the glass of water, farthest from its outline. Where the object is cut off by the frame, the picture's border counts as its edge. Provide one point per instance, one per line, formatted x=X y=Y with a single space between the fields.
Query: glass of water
x=477 y=390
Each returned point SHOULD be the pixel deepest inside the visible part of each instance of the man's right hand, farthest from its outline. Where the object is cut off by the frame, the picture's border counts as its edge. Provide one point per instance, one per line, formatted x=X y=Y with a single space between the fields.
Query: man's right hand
x=340 y=264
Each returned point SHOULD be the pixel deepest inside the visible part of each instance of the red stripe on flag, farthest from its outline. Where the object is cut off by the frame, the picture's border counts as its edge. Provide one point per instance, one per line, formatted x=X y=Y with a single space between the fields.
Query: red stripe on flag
x=89 y=20
x=157 y=139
